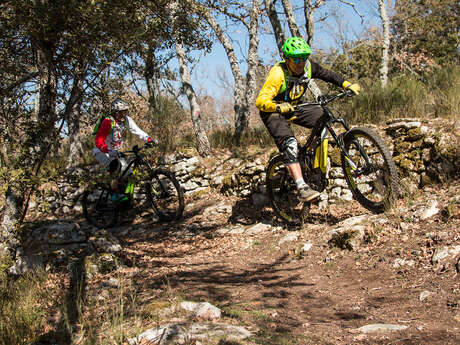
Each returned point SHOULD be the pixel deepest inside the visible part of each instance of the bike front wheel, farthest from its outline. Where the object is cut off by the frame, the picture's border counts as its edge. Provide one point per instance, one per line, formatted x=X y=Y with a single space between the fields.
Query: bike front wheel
x=282 y=192
x=165 y=195
x=369 y=169
x=98 y=207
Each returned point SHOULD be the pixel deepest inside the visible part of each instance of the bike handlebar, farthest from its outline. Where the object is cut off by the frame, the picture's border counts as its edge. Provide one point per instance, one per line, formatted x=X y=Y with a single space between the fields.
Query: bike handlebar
x=323 y=100
x=136 y=149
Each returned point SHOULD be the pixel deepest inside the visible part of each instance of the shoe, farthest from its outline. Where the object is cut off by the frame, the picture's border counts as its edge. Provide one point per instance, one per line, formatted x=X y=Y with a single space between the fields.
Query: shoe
x=117 y=197
x=307 y=194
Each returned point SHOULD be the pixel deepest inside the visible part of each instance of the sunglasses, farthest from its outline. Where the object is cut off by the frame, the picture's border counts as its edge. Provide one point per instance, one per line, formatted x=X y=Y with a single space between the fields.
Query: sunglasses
x=298 y=60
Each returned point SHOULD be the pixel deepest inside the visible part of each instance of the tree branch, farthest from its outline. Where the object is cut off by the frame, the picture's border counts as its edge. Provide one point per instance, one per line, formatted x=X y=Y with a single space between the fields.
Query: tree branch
x=22 y=80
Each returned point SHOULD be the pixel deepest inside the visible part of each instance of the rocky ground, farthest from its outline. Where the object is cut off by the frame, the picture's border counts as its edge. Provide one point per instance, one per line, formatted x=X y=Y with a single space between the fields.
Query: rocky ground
x=344 y=277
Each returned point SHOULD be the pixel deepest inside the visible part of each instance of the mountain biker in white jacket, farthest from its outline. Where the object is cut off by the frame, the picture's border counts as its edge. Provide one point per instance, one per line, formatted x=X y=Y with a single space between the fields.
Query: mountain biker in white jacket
x=109 y=139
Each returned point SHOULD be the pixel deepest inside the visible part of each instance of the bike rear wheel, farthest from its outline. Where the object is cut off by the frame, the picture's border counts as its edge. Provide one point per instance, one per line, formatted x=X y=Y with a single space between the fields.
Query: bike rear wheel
x=98 y=207
x=374 y=181
x=165 y=195
x=282 y=192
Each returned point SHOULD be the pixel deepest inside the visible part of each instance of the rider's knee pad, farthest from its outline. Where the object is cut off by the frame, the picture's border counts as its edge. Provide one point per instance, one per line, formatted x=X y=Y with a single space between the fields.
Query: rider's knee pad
x=290 y=150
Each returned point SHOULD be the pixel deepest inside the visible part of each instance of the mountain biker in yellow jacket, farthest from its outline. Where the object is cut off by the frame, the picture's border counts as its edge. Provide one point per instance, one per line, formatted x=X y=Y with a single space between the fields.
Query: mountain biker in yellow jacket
x=285 y=84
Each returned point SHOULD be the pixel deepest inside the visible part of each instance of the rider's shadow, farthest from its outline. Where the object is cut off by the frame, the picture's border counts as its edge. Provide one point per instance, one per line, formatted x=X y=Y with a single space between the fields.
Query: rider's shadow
x=247 y=212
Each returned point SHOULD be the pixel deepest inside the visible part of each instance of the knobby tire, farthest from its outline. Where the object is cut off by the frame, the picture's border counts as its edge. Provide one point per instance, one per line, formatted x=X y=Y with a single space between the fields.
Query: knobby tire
x=282 y=192
x=375 y=184
x=98 y=207
x=165 y=194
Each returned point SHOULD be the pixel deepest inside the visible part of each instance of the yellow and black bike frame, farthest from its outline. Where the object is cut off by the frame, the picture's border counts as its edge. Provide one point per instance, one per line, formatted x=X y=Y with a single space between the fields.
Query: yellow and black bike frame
x=129 y=190
x=321 y=152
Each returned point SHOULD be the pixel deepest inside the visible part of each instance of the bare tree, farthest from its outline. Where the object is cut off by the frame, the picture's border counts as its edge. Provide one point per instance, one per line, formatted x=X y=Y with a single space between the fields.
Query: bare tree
x=385 y=44
x=244 y=90
x=293 y=27
x=309 y=12
x=275 y=22
x=289 y=12
x=202 y=142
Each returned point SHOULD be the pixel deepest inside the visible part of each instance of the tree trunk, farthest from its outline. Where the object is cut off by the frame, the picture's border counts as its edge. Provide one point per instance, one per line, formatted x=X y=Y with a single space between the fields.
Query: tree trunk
x=269 y=6
x=276 y=25
x=290 y=18
x=202 y=142
x=72 y=114
x=242 y=121
x=309 y=12
x=36 y=148
x=10 y=225
x=241 y=106
x=386 y=43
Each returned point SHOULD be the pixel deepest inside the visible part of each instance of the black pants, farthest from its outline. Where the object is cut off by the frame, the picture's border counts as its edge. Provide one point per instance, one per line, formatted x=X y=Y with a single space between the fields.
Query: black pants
x=278 y=125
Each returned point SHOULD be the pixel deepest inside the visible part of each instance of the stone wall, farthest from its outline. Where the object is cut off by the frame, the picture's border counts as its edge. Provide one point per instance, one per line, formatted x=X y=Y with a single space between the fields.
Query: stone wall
x=423 y=153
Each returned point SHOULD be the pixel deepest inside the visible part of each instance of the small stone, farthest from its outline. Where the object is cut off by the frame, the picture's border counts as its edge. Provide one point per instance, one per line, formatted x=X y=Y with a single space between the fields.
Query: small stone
x=424 y=295
x=306 y=247
x=293 y=236
x=113 y=282
x=258 y=228
x=381 y=328
x=430 y=211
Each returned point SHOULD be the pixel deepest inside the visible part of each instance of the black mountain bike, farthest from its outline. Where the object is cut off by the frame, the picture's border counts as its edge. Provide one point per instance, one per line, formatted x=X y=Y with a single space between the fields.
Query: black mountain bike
x=367 y=165
x=146 y=189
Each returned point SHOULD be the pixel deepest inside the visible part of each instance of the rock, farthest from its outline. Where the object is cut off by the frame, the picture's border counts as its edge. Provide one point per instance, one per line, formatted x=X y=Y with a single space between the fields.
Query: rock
x=257 y=229
x=381 y=328
x=424 y=295
x=105 y=243
x=335 y=193
x=203 y=310
x=112 y=282
x=353 y=221
x=403 y=262
x=336 y=173
x=306 y=247
x=189 y=185
x=293 y=236
x=100 y=263
x=174 y=333
x=441 y=255
x=235 y=230
x=24 y=264
x=428 y=211
x=403 y=124
x=349 y=237
x=59 y=233
x=346 y=195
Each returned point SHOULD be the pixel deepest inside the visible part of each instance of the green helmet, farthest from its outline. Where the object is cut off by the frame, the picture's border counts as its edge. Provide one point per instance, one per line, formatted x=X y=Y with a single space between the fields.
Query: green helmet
x=296 y=47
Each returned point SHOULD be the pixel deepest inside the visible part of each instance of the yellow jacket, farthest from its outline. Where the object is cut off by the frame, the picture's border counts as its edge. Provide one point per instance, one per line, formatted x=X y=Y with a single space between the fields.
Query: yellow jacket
x=276 y=90
x=266 y=100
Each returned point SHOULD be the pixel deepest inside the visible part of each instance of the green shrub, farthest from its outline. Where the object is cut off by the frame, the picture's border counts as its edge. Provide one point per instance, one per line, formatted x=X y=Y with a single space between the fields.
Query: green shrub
x=434 y=95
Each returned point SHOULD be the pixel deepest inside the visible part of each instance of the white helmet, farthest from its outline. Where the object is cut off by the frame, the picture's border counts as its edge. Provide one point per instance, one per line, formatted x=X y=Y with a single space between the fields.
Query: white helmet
x=119 y=105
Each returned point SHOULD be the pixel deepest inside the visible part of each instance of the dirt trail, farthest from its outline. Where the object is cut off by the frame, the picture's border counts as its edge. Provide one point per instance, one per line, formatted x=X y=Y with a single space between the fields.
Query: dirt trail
x=321 y=296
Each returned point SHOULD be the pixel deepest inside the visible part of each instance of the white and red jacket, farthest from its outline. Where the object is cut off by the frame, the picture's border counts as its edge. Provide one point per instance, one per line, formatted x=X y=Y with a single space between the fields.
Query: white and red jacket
x=111 y=134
